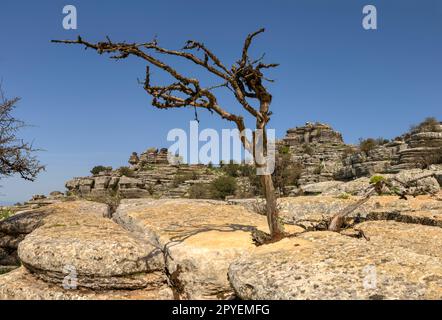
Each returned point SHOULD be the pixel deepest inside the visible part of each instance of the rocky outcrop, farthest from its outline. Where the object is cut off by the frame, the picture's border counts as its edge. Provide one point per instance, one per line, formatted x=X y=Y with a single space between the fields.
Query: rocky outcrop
x=314 y=213
x=411 y=182
x=150 y=177
x=14 y=229
x=417 y=149
x=378 y=160
x=76 y=252
x=102 y=254
x=199 y=240
x=185 y=249
x=318 y=149
x=326 y=265
x=23 y=285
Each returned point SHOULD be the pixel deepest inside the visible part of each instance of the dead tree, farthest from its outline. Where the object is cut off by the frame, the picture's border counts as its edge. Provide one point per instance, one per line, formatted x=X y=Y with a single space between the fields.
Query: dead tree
x=244 y=79
x=16 y=156
x=338 y=220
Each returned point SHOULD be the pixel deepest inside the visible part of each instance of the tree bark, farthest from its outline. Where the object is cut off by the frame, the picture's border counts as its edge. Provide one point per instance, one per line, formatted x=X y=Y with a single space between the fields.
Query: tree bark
x=275 y=226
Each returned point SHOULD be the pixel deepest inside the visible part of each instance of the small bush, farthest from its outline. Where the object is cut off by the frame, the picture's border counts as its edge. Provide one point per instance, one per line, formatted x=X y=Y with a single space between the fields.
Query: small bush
x=428 y=125
x=98 y=169
x=284 y=150
x=199 y=191
x=126 y=171
x=366 y=145
x=376 y=179
x=222 y=187
x=5 y=213
x=344 y=196
x=232 y=169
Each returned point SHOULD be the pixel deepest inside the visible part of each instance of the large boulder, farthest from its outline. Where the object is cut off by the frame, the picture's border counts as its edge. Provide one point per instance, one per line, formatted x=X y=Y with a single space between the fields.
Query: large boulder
x=327 y=265
x=22 y=285
x=199 y=240
x=103 y=255
x=14 y=229
x=75 y=243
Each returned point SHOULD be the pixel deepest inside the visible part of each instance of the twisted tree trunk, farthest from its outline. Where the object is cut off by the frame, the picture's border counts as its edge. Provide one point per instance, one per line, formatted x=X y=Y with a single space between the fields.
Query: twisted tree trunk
x=275 y=226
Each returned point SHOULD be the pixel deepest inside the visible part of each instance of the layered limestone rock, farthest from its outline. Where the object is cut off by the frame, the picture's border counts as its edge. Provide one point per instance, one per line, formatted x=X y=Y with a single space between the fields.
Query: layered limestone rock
x=75 y=244
x=199 y=240
x=151 y=176
x=14 y=229
x=23 y=285
x=417 y=149
x=327 y=265
x=422 y=148
x=314 y=213
x=318 y=148
x=377 y=160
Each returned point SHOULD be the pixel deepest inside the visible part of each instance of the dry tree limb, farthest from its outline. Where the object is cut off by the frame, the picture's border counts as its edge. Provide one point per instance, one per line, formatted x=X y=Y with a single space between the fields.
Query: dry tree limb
x=244 y=78
x=16 y=155
x=338 y=220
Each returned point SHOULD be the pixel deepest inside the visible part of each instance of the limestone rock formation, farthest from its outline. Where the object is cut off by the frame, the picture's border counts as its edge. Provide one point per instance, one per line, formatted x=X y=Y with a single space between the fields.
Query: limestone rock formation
x=318 y=148
x=78 y=241
x=326 y=265
x=315 y=212
x=22 y=285
x=151 y=176
x=103 y=255
x=199 y=239
x=415 y=150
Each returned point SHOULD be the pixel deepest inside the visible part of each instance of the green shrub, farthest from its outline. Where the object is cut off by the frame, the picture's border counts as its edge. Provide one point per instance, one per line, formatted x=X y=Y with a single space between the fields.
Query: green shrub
x=376 y=179
x=5 y=213
x=284 y=150
x=98 y=169
x=344 y=196
x=222 y=187
x=286 y=173
x=232 y=169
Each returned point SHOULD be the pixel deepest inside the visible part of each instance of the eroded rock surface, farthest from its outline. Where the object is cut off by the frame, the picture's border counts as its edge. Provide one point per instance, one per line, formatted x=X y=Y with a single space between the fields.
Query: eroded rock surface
x=326 y=265
x=14 y=229
x=75 y=241
x=22 y=285
x=314 y=212
x=199 y=240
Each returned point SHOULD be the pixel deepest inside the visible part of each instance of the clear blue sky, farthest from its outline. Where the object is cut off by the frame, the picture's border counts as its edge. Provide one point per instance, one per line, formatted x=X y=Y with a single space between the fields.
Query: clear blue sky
x=88 y=110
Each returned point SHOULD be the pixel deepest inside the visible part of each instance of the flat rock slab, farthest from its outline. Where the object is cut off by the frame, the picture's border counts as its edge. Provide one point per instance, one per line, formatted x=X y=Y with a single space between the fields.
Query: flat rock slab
x=27 y=221
x=22 y=285
x=199 y=240
x=326 y=265
x=102 y=253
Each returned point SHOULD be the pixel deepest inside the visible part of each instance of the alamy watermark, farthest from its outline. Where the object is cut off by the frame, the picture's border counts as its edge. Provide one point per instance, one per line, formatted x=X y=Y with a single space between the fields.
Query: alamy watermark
x=70 y=20
x=70 y=281
x=225 y=148
x=370 y=19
